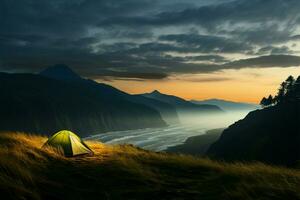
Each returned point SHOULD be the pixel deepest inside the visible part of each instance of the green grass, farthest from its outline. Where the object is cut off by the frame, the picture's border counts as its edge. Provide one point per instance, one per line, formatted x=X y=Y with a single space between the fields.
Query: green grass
x=127 y=172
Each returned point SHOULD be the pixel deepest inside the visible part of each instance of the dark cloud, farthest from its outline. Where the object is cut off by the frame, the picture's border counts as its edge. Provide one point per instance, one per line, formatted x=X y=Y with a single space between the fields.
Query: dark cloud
x=274 y=50
x=257 y=62
x=265 y=62
x=255 y=11
x=192 y=68
x=255 y=21
x=262 y=35
x=147 y=39
x=129 y=75
x=211 y=58
x=208 y=43
x=61 y=17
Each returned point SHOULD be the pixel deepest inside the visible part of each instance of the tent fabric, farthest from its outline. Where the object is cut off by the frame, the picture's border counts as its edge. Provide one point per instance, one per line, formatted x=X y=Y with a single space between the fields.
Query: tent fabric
x=69 y=142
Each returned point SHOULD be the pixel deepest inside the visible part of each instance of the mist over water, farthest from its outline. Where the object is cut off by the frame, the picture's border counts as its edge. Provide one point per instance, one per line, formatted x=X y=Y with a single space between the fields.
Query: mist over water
x=159 y=139
x=212 y=121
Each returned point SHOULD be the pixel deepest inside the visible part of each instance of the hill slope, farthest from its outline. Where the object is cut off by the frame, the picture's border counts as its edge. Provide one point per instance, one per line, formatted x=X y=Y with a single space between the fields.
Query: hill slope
x=34 y=103
x=183 y=106
x=126 y=172
x=64 y=73
x=270 y=135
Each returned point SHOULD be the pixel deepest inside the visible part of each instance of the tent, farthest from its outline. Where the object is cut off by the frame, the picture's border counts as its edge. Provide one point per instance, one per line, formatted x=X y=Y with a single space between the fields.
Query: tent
x=69 y=142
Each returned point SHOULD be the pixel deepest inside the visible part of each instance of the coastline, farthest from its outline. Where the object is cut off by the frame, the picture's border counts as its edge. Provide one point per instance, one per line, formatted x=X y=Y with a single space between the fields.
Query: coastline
x=197 y=145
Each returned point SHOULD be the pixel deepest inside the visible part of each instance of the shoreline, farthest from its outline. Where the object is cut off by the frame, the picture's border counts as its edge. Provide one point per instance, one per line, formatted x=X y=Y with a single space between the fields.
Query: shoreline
x=197 y=145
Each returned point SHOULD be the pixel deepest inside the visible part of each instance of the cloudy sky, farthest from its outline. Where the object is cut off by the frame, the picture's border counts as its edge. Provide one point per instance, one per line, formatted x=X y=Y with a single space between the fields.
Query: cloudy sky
x=238 y=50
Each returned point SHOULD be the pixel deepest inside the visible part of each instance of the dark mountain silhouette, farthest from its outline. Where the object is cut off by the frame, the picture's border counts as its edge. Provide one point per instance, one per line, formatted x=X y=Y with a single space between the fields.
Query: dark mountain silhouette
x=35 y=103
x=228 y=105
x=167 y=111
x=183 y=106
x=270 y=135
x=60 y=72
x=64 y=73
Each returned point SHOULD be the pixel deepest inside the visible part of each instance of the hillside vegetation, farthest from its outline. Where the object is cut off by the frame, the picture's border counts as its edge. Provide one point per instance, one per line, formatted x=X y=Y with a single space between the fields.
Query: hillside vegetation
x=269 y=135
x=33 y=103
x=127 y=172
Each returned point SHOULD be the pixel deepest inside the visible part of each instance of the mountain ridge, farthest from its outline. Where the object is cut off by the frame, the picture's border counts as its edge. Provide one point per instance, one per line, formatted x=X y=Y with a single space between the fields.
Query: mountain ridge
x=227 y=105
x=35 y=103
x=167 y=111
x=179 y=102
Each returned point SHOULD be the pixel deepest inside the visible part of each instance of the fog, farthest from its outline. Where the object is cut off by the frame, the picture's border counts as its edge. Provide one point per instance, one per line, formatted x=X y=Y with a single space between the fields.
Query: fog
x=212 y=121
x=159 y=139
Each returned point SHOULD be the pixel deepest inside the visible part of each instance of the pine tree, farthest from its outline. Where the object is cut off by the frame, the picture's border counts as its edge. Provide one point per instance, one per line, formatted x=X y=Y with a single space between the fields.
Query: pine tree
x=289 y=90
x=263 y=102
x=270 y=100
x=281 y=92
x=290 y=83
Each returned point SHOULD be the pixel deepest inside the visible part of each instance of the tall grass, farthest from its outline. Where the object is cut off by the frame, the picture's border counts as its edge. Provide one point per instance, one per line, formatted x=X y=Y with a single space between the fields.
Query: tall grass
x=28 y=171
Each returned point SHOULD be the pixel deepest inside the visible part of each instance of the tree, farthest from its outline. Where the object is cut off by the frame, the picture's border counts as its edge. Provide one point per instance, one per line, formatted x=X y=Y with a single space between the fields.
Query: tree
x=270 y=100
x=296 y=89
x=281 y=92
x=290 y=83
x=298 y=80
x=289 y=90
x=263 y=102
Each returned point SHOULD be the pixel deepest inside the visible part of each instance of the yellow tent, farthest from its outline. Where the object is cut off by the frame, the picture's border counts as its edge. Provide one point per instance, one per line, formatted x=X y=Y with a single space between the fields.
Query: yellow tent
x=69 y=142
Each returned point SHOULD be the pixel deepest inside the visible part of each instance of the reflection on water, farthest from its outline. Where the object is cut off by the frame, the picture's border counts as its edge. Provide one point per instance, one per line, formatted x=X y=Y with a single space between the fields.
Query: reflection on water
x=158 y=139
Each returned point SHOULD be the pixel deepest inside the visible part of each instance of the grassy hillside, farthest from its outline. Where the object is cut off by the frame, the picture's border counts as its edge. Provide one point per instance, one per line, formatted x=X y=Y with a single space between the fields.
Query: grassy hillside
x=126 y=172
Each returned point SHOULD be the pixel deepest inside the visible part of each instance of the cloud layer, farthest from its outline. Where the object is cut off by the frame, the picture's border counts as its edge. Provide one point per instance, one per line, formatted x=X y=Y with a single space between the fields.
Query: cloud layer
x=148 y=39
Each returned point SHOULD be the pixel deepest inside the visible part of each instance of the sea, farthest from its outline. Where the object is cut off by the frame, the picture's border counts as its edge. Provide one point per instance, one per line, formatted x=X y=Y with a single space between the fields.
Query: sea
x=159 y=139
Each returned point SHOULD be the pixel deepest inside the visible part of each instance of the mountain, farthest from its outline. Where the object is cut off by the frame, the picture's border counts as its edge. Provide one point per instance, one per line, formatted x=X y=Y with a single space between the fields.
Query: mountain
x=125 y=172
x=181 y=105
x=60 y=72
x=269 y=135
x=64 y=73
x=35 y=103
x=228 y=105
x=167 y=111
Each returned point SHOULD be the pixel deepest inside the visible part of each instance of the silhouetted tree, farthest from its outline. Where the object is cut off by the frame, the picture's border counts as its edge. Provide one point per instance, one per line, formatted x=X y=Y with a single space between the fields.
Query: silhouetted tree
x=290 y=81
x=296 y=90
x=289 y=90
x=263 y=102
x=297 y=80
x=270 y=100
x=281 y=92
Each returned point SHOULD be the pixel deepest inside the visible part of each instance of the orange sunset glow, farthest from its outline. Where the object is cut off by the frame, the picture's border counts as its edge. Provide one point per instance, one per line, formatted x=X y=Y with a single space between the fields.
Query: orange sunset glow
x=246 y=85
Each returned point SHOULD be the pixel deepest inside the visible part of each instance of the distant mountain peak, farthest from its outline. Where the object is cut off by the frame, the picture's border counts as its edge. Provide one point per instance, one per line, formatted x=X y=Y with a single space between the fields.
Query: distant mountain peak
x=60 y=72
x=155 y=92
